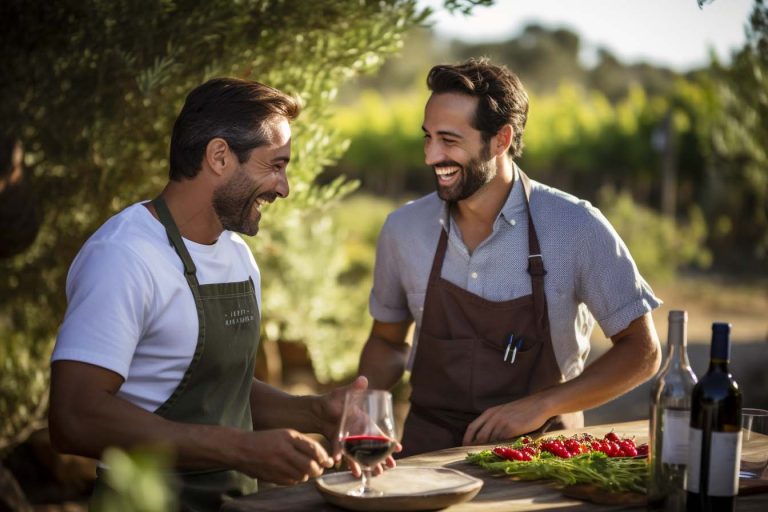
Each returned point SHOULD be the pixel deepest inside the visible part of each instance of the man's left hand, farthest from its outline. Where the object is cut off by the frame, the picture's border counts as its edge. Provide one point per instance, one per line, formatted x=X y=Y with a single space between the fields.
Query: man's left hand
x=506 y=421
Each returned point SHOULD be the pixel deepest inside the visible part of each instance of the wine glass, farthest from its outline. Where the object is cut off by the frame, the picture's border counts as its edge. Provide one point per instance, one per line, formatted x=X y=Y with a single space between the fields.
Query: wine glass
x=367 y=433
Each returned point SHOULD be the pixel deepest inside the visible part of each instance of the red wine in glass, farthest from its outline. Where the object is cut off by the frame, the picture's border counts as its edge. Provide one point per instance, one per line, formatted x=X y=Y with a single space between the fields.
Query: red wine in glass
x=368 y=450
x=367 y=433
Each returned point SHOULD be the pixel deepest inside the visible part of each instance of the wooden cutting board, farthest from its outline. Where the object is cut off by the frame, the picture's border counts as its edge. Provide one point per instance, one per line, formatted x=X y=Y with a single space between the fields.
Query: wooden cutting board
x=594 y=494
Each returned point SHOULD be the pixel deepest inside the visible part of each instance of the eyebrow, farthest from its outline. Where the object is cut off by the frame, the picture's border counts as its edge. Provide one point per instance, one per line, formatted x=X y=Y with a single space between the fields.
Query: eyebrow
x=445 y=132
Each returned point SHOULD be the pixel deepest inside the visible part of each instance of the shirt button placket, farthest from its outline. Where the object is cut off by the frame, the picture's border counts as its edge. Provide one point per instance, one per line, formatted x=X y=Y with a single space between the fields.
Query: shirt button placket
x=474 y=286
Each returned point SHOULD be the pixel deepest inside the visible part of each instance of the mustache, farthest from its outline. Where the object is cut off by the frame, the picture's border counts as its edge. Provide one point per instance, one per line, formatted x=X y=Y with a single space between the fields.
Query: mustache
x=268 y=196
x=447 y=163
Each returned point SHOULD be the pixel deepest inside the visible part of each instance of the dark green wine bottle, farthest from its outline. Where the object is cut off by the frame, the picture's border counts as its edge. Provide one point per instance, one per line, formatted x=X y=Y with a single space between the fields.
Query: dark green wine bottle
x=712 y=478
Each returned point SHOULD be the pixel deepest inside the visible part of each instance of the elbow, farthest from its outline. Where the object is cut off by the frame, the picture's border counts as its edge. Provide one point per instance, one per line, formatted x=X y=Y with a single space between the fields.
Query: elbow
x=63 y=429
x=60 y=439
x=654 y=360
x=651 y=357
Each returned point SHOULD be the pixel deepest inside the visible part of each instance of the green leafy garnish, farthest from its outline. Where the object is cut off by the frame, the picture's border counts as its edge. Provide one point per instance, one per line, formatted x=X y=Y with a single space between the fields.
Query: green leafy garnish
x=612 y=474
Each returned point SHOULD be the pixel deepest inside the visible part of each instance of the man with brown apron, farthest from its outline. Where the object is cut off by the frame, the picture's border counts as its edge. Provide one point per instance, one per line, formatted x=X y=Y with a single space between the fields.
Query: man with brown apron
x=500 y=305
x=159 y=341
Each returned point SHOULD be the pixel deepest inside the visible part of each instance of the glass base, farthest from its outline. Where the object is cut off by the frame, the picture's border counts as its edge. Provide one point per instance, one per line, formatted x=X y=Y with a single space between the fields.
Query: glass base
x=362 y=492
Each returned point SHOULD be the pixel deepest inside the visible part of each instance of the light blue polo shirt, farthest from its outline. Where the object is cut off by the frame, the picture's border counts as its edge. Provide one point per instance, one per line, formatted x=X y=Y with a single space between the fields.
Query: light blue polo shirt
x=590 y=273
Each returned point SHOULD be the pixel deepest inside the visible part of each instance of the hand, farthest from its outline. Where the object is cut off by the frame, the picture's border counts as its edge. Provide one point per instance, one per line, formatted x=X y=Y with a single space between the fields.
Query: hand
x=281 y=456
x=506 y=421
x=329 y=410
x=354 y=467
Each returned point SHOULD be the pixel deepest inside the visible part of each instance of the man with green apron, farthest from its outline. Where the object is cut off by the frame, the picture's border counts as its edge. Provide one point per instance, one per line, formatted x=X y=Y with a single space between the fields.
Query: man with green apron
x=159 y=341
x=503 y=278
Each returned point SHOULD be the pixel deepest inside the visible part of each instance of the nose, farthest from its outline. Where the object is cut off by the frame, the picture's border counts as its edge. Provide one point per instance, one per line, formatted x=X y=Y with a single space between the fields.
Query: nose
x=433 y=153
x=282 y=188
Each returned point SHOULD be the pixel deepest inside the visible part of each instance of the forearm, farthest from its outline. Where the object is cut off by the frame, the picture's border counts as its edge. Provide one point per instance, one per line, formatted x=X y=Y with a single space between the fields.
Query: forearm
x=104 y=420
x=274 y=408
x=633 y=359
x=382 y=362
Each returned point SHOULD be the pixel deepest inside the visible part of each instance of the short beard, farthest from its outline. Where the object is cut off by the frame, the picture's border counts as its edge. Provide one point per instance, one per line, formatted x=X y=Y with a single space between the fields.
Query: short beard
x=233 y=203
x=477 y=173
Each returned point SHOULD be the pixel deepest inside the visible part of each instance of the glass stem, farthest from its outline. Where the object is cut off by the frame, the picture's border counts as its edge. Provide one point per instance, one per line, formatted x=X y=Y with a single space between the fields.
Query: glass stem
x=367 y=480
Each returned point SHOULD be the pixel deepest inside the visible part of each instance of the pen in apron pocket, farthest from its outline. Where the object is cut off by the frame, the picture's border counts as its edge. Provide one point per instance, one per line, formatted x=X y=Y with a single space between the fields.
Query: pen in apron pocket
x=514 y=346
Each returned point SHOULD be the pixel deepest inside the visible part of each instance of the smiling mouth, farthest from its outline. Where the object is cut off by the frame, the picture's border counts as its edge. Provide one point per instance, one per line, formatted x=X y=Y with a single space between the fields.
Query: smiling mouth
x=264 y=199
x=447 y=173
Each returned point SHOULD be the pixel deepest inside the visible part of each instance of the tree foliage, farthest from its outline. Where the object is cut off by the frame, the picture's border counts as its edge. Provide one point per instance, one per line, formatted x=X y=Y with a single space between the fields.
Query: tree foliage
x=91 y=88
x=610 y=124
x=738 y=140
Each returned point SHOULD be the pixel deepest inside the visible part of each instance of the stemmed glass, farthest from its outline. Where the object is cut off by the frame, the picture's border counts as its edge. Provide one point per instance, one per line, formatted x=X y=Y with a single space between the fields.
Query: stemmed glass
x=367 y=433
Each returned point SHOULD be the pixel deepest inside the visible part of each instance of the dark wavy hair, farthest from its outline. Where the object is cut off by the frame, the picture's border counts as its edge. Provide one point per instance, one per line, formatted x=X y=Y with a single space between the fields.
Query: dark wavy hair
x=232 y=109
x=501 y=96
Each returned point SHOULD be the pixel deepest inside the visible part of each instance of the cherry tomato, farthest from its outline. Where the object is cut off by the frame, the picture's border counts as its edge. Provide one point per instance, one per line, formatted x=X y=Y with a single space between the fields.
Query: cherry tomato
x=627 y=443
x=504 y=452
x=628 y=451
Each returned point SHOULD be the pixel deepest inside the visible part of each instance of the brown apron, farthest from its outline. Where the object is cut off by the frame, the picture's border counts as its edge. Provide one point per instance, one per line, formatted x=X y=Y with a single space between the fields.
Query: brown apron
x=460 y=370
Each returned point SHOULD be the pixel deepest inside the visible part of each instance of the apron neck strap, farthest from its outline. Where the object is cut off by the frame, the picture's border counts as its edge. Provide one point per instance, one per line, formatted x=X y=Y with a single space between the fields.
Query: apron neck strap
x=174 y=236
x=535 y=263
x=437 y=261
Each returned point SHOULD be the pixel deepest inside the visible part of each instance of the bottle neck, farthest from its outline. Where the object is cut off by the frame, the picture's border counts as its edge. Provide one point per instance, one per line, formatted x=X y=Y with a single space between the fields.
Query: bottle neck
x=720 y=354
x=677 y=351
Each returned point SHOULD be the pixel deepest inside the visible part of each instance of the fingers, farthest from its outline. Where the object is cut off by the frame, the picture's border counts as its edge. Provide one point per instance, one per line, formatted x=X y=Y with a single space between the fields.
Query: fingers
x=471 y=432
x=284 y=457
x=482 y=430
x=354 y=467
x=360 y=383
x=313 y=450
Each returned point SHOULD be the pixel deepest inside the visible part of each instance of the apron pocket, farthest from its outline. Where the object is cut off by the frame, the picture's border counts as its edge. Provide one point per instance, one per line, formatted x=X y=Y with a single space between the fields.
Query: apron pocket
x=496 y=381
x=442 y=373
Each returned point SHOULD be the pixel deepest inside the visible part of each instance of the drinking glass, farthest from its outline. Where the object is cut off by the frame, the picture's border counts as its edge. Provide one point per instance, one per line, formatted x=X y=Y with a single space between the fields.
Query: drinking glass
x=367 y=433
x=754 y=442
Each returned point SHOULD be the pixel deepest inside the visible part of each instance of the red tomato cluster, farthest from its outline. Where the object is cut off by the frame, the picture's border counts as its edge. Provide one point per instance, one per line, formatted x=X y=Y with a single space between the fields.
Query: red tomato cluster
x=505 y=452
x=565 y=448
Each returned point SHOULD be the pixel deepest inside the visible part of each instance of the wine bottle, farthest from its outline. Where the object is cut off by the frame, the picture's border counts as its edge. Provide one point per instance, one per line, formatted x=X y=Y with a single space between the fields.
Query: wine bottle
x=670 y=420
x=712 y=477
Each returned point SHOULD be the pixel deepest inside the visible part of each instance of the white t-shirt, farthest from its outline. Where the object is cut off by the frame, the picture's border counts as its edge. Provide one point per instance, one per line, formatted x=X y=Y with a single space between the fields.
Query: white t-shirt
x=130 y=309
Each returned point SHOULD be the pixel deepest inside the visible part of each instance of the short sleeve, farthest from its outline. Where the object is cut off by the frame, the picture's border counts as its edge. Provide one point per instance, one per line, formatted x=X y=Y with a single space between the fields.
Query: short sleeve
x=109 y=292
x=608 y=281
x=388 y=301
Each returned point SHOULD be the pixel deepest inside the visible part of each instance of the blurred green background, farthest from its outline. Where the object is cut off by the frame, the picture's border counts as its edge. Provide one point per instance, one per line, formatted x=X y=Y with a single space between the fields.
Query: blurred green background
x=676 y=160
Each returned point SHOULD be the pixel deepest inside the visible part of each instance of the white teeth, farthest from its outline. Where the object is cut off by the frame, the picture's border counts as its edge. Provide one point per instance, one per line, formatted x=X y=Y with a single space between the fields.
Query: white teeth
x=444 y=171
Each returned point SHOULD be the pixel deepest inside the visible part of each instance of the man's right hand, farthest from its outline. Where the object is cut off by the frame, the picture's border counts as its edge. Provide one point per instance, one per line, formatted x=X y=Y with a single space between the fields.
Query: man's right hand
x=281 y=456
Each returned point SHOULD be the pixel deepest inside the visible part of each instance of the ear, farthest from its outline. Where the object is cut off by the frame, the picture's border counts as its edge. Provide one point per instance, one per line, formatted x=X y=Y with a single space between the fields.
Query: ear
x=218 y=155
x=502 y=140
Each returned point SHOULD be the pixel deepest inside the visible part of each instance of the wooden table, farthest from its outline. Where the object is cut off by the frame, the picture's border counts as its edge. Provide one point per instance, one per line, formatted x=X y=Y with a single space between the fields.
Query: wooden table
x=497 y=494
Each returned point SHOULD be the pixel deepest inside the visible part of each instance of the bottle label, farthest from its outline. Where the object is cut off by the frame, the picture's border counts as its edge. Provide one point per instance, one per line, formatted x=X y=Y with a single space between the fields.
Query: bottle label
x=674 y=444
x=725 y=454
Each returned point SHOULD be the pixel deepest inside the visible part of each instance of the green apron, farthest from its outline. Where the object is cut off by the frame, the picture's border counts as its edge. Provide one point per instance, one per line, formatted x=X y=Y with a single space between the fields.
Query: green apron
x=215 y=389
